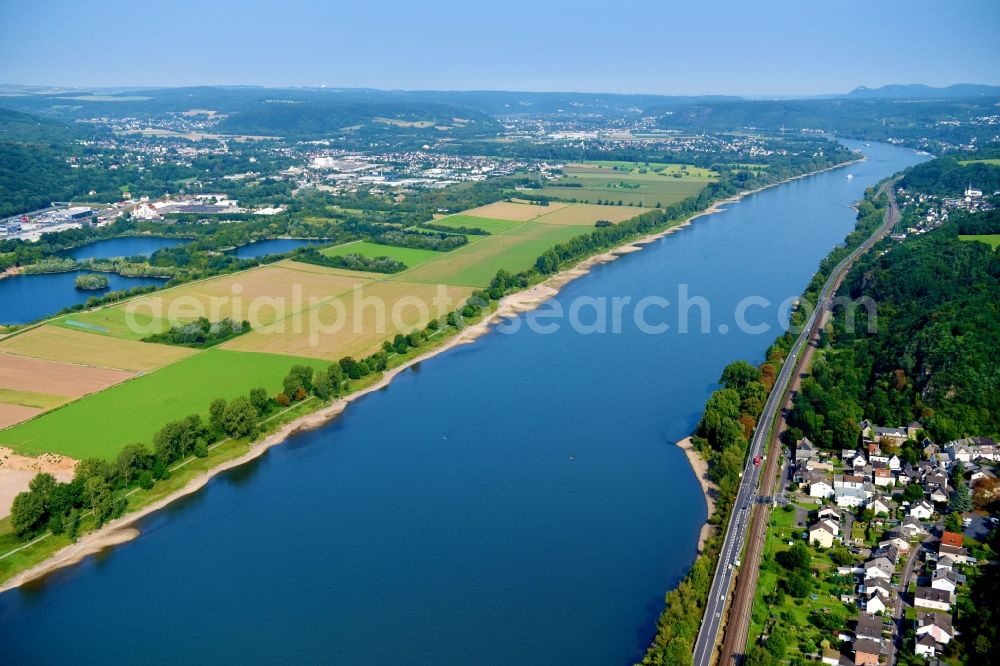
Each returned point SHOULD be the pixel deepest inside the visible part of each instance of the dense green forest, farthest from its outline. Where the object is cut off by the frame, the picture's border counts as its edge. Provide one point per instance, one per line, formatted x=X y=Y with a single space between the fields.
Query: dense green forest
x=934 y=353
x=33 y=167
x=31 y=177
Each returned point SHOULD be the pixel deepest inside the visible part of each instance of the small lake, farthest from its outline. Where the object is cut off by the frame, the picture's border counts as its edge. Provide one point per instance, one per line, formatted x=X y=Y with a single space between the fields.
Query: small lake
x=126 y=246
x=274 y=246
x=27 y=298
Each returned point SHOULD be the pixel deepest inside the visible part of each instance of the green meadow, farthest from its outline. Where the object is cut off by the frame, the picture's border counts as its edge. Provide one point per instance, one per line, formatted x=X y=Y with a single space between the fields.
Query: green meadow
x=993 y=240
x=652 y=168
x=487 y=224
x=992 y=161
x=475 y=264
x=102 y=423
x=408 y=255
x=632 y=183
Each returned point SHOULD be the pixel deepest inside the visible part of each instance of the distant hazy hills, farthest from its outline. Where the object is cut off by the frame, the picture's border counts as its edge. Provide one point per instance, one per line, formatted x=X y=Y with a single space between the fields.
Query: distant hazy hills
x=357 y=117
x=920 y=91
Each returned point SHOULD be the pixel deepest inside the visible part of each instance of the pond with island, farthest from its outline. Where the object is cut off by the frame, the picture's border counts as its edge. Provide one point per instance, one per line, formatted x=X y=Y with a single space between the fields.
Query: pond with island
x=27 y=298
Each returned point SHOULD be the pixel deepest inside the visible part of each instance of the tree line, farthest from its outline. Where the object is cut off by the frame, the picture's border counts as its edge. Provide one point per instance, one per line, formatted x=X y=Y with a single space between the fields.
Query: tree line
x=352 y=261
x=201 y=333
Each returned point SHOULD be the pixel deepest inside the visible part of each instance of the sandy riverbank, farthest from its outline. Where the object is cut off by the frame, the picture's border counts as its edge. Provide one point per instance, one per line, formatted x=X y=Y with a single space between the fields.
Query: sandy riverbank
x=17 y=471
x=11 y=272
x=708 y=487
x=122 y=529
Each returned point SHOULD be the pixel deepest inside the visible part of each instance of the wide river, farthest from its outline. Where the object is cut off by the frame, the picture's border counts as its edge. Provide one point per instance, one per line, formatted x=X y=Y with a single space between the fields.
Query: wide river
x=519 y=500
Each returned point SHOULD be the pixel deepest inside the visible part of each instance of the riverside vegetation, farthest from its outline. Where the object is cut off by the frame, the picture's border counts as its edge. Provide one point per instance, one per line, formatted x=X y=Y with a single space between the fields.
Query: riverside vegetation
x=722 y=438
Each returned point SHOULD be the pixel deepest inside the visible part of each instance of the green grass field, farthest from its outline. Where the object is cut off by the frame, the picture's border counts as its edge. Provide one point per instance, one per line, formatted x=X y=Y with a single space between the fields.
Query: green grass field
x=993 y=240
x=475 y=264
x=992 y=161
x=655 y=168
x=487 y=224
x=636 y=183
x=102 y=423
x=408 y=255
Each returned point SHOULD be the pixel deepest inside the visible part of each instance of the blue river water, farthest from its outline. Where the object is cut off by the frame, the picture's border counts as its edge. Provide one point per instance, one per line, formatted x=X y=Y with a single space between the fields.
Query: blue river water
x=273 y=246
x=25 y=298
x=126 y=246
x=514 y=501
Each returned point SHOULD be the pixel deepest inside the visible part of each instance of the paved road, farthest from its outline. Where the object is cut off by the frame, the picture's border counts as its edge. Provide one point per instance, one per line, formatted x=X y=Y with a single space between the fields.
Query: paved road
x=895 y=646
x=739 y=520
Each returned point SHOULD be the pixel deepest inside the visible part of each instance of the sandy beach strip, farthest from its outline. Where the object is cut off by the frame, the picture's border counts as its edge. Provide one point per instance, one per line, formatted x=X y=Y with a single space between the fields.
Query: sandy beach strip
x=17 y=471
x=708 y=487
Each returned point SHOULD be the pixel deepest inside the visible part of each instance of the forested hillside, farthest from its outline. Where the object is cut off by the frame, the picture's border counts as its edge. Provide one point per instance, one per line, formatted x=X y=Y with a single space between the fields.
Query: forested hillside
x=326 y=117
x=950 y=175
x=17 y=127
x=934 y=353
x=33 y=169
x=31 y=177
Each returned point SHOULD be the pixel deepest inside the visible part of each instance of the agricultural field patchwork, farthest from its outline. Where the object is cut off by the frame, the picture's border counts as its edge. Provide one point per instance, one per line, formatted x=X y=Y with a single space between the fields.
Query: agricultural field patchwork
x=489 y=225
x=13 y=414
x=510 y=210
x=40 y=401
x=475 y=264
x=587 y=215
x=31 y=386
x=262 y=295
x=356 y=323
x=21 y=373
x=629 y=183
x=56 y=343
x=322 y=270
x=644 y=168
x=102 y=423
x=105 y=388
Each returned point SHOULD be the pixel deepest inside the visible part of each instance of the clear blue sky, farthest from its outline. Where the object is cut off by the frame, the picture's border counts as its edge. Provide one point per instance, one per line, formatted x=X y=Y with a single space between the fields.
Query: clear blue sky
x=751 y=47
